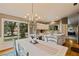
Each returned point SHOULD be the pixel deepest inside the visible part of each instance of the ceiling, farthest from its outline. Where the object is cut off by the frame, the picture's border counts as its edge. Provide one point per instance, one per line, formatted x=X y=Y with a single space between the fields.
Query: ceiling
x=47 y=11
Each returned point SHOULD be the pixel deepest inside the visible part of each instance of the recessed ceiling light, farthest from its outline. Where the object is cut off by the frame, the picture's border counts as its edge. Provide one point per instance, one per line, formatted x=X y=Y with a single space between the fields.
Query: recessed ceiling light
x=36 y=15
x=57 y=17
x=44 y=16
x=30 y=18
x=39 y=17
x=27 y=14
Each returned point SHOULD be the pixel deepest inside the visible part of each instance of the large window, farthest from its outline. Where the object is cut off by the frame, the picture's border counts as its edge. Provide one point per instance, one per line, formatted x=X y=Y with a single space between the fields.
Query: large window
x=23 y=30
x=12 y=29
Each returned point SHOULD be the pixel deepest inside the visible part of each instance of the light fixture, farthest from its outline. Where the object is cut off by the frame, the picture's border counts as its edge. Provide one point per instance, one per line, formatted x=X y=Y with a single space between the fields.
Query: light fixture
x=56 y=17
x=30 y=19
x=53 y=22
x=36 y=15
x=39 y=17
x=27 y=14
x=44 y=16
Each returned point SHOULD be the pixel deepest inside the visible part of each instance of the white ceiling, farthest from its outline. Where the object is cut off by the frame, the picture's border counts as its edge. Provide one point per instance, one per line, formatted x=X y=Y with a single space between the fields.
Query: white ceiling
x=52 y=11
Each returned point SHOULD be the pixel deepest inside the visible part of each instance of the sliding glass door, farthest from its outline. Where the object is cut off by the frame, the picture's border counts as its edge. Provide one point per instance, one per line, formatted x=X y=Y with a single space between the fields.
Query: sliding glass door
x=23 y=32
x=12 y=29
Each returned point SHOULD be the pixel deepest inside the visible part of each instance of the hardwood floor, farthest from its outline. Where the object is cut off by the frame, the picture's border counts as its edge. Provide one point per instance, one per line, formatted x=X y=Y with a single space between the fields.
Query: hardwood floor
x=71 y=43
x=2 y=52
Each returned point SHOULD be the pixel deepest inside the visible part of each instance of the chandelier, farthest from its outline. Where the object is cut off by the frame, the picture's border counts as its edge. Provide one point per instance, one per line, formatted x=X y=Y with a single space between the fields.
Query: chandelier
x=32 y=17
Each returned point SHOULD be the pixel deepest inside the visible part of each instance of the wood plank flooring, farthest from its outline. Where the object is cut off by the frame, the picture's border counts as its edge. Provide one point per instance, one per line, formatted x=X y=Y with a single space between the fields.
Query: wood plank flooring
x=71 y=43
x=6 y=51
